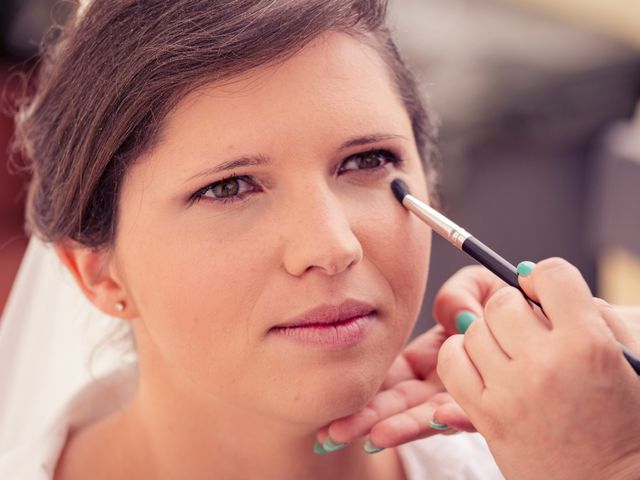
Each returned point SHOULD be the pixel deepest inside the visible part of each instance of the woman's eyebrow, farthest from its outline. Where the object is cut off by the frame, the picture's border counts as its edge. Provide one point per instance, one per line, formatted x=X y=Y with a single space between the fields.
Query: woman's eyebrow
x=367 y=139
x=244 y=161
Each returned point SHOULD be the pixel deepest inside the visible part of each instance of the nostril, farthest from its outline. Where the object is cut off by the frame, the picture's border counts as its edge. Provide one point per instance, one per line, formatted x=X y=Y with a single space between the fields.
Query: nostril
x=320 y=239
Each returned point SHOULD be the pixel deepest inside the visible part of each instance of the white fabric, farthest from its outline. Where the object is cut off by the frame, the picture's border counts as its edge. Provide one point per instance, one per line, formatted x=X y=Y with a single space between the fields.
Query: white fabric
x=36 y=458
x=47 y=336
x=48 y=333
x=464 y=456
x=455 y=457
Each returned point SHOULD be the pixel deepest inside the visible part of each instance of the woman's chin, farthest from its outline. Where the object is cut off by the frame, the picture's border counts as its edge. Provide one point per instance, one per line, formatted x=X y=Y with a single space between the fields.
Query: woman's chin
x=319 y=387
x=324 y=402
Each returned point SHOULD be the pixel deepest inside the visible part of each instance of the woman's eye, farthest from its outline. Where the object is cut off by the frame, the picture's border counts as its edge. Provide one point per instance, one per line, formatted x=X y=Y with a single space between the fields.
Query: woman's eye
x=368 y=160
x=226 y=190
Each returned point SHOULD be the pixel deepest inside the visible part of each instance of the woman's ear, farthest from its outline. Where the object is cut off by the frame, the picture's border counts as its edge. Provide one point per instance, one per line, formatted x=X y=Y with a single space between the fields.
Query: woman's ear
x=92 y=271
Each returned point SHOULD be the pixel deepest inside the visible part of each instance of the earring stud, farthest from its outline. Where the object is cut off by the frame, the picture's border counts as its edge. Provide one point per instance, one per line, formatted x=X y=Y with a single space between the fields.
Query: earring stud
x=119 y=306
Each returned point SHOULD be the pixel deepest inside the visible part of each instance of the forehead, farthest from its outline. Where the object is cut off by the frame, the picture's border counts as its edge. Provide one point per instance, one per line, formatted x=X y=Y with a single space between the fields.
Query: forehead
x=334 y=83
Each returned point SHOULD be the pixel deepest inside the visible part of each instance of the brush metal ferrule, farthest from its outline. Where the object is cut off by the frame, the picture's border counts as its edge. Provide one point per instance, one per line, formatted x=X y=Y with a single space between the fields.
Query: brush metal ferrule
x=444 y=227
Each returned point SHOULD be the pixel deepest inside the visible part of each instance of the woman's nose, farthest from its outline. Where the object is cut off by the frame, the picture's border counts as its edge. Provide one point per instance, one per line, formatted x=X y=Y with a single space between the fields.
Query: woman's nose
x=318 y=235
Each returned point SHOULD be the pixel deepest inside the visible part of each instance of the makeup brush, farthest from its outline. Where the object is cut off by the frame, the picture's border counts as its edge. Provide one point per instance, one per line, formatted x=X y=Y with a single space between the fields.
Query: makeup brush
x=463 y=240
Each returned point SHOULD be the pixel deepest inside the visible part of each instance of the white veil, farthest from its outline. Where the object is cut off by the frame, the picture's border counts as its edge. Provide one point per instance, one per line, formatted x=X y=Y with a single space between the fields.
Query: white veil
x=48 y=333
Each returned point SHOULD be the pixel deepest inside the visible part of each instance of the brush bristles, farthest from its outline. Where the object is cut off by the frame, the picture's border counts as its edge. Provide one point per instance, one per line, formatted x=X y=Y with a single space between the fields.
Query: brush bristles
x=400 y=189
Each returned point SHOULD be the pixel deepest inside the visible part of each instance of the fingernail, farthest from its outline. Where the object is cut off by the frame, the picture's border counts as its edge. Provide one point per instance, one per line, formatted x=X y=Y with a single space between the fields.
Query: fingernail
x=318 y=449
x=463 y=320
x=330 y=446
x=370 y=449
x=525 y=268
x=438 y=426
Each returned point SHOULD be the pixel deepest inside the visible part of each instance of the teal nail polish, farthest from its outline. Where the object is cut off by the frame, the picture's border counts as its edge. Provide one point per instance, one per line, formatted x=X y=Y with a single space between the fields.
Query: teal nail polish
x=330 y=446
x=318 y=450
x=525 y=268
x=437 y=426
x=370 y=449
x=463 y=320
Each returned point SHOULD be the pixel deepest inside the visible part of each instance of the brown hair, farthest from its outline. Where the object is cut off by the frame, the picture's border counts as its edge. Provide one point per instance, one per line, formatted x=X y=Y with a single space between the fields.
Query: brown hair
x=109 y=78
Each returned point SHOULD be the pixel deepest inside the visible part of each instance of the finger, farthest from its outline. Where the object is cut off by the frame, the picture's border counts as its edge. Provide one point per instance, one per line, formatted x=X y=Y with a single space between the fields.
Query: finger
x=421 y=354
x=512 y=323
x=630 y=316
x=418 y=359
x=322 y=434
x=466 y=290
x=617 y=326
x=399 y=371
x=416 y=362
x=458 y=373
x=410 y=425
x=562 y=292
x=484 y=352
x=401 y=397
x=453 y=415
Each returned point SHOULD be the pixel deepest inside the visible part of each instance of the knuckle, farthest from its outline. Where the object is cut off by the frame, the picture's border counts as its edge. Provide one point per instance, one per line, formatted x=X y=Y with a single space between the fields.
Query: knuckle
x=474 y=331
x=470 y=270
x=598 y=351
x=600 y=302
x=413 y=392
x=446 y=354
x=440 y=399
x=444 y=298
x=552 y=263
x=397 y=397
x=499 y=300
x=603 y=306
x=552 y=266
x=544 y=376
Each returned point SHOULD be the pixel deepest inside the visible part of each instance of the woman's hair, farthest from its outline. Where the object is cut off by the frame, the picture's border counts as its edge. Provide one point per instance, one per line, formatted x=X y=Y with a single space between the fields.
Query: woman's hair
x=107 y=80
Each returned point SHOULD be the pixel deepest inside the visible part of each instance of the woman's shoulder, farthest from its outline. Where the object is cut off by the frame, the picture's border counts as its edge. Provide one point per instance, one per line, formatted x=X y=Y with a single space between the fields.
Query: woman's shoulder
x=462 y=456
x=37 y=457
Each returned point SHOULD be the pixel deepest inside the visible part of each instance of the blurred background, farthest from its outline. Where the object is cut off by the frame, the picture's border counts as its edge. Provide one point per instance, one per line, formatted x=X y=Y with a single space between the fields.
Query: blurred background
x=539 y=136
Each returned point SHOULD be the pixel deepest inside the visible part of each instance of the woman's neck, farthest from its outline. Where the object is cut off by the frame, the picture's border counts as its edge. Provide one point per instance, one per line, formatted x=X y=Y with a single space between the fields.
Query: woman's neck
x=160 y=435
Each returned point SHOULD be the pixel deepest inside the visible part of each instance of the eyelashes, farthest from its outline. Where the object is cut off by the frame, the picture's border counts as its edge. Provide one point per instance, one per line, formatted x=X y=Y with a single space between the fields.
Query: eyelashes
x=369 y=160
x=229 y=189
x=237 y=187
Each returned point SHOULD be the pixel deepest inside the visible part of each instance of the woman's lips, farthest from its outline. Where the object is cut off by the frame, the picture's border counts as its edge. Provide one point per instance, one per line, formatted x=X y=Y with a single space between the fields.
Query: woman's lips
x=327 y=326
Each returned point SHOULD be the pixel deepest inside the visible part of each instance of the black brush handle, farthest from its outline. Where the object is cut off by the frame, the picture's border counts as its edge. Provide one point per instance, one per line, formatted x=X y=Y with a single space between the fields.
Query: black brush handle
x=507 y=272
x=494 y=262
x=631 y=358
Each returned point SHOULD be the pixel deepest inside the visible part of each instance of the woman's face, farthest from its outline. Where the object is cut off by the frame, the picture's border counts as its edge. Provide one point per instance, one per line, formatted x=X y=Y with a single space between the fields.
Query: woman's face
x=264 y=216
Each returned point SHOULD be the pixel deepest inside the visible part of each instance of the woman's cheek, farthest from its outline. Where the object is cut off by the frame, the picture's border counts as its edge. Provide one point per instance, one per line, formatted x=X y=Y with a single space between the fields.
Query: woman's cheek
x=411 y=273
x=193 y=302
x=399 y=246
